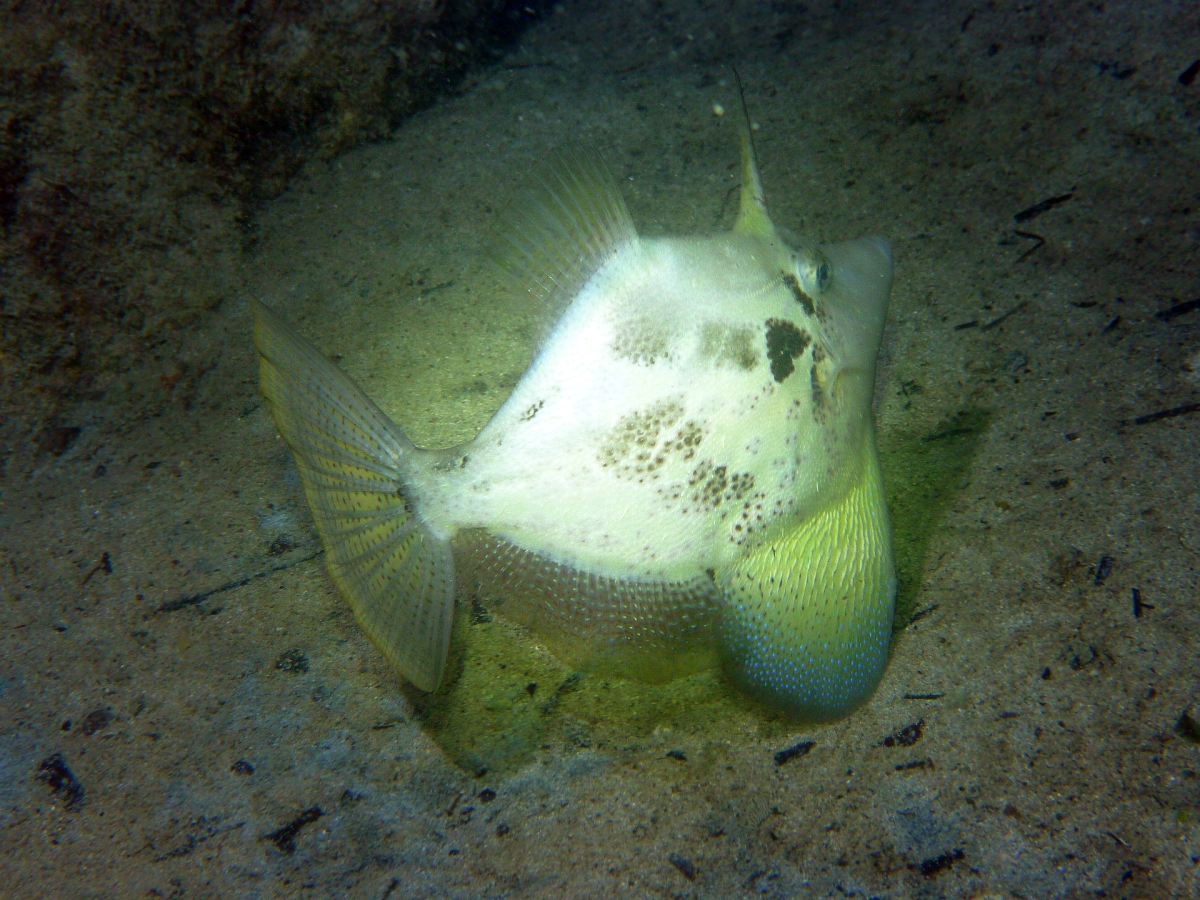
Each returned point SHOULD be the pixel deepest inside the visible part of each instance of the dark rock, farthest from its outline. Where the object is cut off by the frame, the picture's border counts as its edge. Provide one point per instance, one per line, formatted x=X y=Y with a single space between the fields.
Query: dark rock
x=1188 y=725
x=684 y=865
x=293 y=661
x=54 y=772
x=96 y=721
x=906 y=736
x=793 y=752
x=285 y=838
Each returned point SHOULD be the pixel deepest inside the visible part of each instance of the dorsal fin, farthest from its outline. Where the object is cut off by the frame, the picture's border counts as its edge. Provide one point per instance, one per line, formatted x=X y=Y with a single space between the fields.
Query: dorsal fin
x=752 y=211
x=565 y=224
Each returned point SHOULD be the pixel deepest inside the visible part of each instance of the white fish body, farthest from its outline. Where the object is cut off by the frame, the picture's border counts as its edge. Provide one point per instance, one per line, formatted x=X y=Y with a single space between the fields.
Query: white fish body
x=611 y=453
x=687 y=470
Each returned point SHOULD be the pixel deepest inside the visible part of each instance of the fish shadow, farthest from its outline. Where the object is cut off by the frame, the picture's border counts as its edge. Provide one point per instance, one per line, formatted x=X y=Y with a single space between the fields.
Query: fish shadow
x=922 y=475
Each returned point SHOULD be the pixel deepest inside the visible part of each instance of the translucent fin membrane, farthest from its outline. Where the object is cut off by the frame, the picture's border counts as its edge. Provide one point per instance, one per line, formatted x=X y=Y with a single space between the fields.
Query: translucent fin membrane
x=653 y=631
x=564 y=225
x=397 y=575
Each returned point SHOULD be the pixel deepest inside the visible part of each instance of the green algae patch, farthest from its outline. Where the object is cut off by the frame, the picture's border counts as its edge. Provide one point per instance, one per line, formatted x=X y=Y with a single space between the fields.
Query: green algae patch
x=922 y=474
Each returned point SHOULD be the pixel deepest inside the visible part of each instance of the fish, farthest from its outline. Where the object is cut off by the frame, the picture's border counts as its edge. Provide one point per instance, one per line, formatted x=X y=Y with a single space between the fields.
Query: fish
x=686 y=476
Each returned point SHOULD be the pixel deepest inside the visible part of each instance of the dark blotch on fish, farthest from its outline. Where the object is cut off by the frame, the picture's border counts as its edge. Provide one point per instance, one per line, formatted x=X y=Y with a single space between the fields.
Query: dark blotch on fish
x=784 y=343
x=727 y=345
x=816 y=384
x=793 y=285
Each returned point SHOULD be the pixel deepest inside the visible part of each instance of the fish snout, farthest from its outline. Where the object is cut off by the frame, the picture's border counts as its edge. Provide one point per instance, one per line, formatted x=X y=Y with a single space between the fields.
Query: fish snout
x=857 y=299
x=881 y=246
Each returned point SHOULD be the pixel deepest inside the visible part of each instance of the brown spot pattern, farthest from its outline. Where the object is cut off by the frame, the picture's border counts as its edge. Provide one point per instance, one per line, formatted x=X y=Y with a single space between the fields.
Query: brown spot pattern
x=641 y=342
x=642 y=442
x=817 y=383
x=727 y=345
x=713 y=485
x=784 y=343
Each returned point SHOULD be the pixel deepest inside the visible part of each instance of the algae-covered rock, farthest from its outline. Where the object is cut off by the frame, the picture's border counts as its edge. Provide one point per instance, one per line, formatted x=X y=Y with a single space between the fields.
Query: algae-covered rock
x=136 y=140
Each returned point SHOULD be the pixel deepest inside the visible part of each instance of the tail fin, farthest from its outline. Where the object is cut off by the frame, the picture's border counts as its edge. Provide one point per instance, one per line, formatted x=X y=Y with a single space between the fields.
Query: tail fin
x=397 y=574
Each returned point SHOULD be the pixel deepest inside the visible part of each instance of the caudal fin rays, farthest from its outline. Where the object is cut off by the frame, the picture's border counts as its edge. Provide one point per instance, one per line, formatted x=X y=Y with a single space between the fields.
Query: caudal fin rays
x=396 y=572
x=565 y=223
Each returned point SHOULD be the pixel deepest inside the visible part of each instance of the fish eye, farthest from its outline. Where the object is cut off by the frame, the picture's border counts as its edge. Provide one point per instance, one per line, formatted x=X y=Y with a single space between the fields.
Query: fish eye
x=813 y=270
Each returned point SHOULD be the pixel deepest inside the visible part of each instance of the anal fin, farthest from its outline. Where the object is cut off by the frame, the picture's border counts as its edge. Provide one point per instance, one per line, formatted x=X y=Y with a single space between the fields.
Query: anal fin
x=651 y=631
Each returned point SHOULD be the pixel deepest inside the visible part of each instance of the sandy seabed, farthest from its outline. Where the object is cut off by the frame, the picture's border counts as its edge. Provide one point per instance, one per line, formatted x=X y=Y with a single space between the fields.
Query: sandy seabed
x=190 y=710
